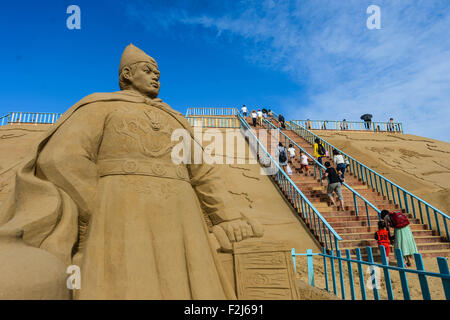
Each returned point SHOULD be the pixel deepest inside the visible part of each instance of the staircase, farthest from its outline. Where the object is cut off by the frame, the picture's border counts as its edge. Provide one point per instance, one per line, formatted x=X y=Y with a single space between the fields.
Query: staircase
x=354 y=229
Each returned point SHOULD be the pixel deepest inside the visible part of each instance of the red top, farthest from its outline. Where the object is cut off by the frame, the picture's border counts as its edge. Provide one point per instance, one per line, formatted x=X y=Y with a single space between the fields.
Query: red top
x=383 y=237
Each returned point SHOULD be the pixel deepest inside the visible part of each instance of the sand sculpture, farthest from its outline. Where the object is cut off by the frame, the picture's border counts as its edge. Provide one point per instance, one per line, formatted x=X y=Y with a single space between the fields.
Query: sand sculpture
x=99 y=190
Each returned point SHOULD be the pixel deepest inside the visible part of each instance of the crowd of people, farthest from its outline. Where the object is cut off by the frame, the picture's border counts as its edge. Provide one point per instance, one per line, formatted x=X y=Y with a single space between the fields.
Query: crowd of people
x=257 y=115
x=401 y=236
x=343 y=125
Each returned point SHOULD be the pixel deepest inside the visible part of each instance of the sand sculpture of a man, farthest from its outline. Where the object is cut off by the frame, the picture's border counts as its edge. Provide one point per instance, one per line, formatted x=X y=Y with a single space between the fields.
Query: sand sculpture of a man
x=100 y=191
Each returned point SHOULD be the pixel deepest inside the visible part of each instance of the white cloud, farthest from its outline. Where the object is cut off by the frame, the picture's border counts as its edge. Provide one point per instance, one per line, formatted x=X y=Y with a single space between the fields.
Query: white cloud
x=402 y=70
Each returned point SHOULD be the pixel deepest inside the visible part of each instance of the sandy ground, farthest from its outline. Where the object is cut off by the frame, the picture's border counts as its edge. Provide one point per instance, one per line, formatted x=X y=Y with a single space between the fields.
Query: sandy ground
x=258 y=197
x=253 y=193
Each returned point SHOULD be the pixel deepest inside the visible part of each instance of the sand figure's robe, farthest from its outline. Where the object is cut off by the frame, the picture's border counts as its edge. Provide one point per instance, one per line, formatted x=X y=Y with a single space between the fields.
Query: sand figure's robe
x=101 y=191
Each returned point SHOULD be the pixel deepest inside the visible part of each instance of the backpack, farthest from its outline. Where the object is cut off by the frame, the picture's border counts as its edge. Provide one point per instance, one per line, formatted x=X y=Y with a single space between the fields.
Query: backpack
x=398 y=219
x=321 y=149
x=282 y=156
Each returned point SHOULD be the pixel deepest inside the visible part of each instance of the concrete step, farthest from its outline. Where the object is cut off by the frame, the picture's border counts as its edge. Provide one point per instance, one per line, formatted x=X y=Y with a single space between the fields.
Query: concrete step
x=358 y=223
x=370 y=235
x=377 y=257
x=372 y=242
x=373 y=228
x=421 y=247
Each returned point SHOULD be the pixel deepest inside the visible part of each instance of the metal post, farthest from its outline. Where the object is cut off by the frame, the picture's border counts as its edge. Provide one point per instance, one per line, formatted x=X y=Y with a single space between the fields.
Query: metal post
x=422 y=278
x=309 y=258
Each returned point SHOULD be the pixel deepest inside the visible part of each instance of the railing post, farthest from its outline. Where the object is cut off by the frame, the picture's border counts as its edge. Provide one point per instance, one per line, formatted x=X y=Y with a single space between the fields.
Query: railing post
x=362 y=283
x=350 y=274
x=333 y=274
x=422 y=278
x=293 y=258
x=387 y=276
x=402 y=274
x=376 y=294
x=443 y=269
x=324 y=251
x=406 y=202
x=309 y=258
x=341 y=274
x=356 y=204
x=437 y=222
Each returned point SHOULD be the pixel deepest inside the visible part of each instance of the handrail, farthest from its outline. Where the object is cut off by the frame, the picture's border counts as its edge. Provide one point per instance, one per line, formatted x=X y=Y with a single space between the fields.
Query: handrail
x=4 y=119
x=211 y=111
x=350 y=125
x=299 y=200
x=322 y=167
x=376 y=181
x=422 y=274
x=213 y=122
x=30 y=117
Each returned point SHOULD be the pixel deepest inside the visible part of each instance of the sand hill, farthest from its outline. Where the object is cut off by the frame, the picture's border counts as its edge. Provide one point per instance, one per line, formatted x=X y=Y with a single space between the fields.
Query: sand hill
x=420 y=165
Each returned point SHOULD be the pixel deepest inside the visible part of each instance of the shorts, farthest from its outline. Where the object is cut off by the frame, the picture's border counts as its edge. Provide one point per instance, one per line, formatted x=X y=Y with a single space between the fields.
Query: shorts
x=336 y=187
x=304 y=166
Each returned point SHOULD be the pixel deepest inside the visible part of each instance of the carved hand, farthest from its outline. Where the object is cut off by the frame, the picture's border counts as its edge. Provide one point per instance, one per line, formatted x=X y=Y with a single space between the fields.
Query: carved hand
x=235 y=231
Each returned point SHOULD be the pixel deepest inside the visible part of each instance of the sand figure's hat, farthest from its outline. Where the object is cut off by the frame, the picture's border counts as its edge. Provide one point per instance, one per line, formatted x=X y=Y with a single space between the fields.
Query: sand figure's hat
x=132 y=55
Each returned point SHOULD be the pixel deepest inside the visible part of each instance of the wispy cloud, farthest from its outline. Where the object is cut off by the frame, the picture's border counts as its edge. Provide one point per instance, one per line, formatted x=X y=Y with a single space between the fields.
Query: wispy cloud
x=402 y=70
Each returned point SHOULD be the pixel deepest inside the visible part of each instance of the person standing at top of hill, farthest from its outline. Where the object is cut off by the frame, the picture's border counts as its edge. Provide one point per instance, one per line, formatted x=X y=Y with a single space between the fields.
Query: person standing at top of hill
x=391 y=126
x=334 y=184
x=308 y=124
x=260 y=117
x=254 y=116
x=339 y=161
x=244 y=110
x=319 y=150
x=404 y=238
x=270 y=114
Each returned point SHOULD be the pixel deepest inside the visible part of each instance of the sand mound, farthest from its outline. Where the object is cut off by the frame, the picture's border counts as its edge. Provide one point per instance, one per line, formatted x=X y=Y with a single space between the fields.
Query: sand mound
x=420 y=165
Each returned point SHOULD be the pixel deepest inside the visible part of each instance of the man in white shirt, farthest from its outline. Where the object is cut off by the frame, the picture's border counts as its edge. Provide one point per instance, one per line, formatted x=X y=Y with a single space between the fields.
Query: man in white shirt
x=339 y=161
x=254 y=115
x=291 y=151
x=244 y=110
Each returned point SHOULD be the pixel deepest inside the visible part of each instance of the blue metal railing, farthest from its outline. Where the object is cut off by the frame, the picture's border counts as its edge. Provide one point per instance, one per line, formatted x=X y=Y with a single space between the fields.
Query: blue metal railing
x=217 y=111
x=213 y=122
x=405 y=199
x=350 y=125
x=29 y=118
x=319 y=226
x=318 y=167
x=443 y=274
x=4 y=119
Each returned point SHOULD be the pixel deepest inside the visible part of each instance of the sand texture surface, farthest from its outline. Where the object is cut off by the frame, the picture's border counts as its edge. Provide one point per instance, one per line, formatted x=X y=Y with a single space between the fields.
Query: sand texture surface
x=416 y=163
x=420 y=165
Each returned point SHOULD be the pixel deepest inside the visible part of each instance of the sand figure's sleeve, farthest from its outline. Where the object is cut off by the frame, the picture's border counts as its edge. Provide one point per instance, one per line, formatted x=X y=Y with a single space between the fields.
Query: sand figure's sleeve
x=214 y=198
x=68 y=159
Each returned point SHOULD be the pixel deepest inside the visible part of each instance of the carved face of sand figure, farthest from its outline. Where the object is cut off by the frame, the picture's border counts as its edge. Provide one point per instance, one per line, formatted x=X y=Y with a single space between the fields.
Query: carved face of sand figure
x=143 y=78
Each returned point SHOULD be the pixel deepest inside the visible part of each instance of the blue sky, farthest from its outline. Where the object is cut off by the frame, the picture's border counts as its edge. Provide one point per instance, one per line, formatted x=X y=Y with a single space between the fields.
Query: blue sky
x=306 y=59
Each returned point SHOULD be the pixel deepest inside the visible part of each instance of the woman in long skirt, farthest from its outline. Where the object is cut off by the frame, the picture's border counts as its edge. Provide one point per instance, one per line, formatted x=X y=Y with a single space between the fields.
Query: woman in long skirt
x=404 y=238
